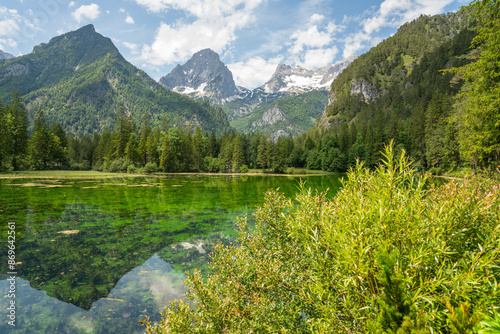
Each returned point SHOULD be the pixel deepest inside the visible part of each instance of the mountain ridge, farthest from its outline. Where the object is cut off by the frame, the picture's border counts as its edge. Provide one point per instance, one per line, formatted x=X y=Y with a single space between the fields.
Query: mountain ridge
x=5 y=55
x=80 y=78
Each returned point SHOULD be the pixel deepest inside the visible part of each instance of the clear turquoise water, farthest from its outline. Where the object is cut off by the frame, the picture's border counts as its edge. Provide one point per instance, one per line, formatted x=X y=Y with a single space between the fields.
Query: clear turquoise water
x=97 y=256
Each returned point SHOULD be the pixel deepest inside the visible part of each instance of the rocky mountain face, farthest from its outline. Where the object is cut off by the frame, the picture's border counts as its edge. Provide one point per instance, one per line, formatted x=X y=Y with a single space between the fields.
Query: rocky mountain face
x=297 y=79
x=203 y=76
x=80 y=78
x=5 y=55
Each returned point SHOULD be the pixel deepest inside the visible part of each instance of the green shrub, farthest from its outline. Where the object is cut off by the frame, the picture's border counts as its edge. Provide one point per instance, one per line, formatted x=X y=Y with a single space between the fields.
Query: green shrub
x=118 y=166
x=244 y=169
x=388 y=254
x=435 y=171
x=151 y=167
x=131 y=169
x=211 y=164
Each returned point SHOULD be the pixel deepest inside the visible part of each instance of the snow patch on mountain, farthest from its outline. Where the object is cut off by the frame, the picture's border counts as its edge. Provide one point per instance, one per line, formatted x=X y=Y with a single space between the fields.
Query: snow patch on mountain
x=299 y=80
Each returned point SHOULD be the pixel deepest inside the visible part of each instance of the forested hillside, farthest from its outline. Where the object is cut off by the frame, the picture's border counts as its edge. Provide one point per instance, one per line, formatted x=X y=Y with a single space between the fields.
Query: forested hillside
x=79 y=79
x=399 y=90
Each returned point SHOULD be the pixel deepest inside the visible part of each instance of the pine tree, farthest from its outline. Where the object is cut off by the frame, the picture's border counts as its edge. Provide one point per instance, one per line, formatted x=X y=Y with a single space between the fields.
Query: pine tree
x=103 y=147
x=165 y=154
x=238 y=158
x=434 y=130
x=198 y=149
x=58 y=131
x=86 y=152
x=3 y=135
x=123 y=130
x=132 y=150
x=226 y=153
x=262 y=152
x=212 y=150
x=45 y=149
x=19 y=129
x=143 y=139
x=478 y=115
x=185 y=152
x=280 y=155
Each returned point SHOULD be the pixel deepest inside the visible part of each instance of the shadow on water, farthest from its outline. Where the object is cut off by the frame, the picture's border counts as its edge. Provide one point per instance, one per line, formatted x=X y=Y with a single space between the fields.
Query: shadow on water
x=97 y=256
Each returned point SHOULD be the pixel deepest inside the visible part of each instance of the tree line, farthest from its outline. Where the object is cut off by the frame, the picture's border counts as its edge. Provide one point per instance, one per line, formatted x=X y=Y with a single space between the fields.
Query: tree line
x=427 y=138
x=129 y=148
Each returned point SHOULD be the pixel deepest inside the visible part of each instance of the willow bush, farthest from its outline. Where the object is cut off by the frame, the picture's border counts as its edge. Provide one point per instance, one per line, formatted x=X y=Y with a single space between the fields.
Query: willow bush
x=390 y=253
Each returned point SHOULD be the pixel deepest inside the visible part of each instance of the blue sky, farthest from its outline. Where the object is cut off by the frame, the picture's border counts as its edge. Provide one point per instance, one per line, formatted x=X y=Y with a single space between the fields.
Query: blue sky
x=251 y=36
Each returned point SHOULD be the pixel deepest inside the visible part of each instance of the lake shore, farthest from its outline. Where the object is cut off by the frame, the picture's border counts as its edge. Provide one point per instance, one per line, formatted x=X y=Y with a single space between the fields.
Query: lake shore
x=73 y=174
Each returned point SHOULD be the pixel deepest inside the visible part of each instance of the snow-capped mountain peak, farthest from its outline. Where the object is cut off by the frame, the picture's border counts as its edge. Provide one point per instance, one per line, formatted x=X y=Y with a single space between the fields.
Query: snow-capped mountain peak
x=203 y=76
x=298 y=79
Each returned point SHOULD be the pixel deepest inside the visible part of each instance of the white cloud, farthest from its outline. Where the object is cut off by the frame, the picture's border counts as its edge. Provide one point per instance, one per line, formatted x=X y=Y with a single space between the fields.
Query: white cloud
x=314 y=45
x=134 y=48
x=254 y=72
x=8 y=27
x=355 y=42
x=72 y=4
x=393 y=13
x=129 y=20
x=213 y=24
x=16 y=26
x=311 y=37
x=84 y=12
x=317 y=18
x=201 y=8
x=319 y=57
x=9 y=42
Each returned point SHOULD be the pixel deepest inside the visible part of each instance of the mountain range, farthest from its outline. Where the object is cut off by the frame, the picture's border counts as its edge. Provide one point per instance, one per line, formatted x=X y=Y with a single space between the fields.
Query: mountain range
x=5 y=55
x=302 y=92
x=79 y=79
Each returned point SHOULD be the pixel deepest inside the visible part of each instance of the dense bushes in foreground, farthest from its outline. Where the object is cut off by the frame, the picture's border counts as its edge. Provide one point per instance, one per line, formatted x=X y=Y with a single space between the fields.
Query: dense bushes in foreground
x=389 y=254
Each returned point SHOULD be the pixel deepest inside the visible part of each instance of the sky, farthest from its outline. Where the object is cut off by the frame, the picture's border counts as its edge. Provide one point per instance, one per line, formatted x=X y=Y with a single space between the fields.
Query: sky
x=251 y=36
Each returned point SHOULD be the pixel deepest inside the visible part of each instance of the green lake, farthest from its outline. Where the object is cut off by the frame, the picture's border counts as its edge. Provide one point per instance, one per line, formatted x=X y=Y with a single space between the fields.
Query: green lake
x=97 y=256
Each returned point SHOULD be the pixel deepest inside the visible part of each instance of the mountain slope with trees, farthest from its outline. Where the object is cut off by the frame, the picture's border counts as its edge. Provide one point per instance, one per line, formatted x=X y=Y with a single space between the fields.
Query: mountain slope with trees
x=291 y=115
x=399 y=90
x=80 y=79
